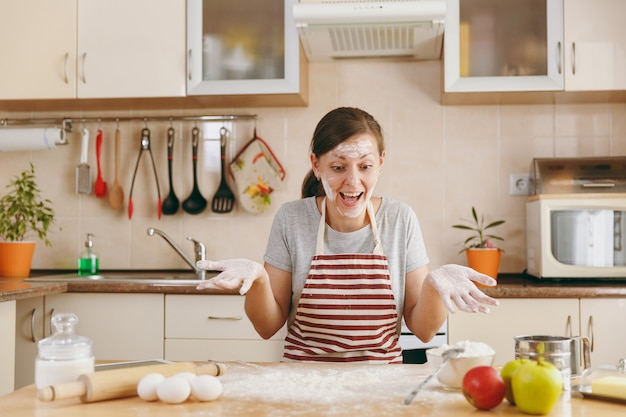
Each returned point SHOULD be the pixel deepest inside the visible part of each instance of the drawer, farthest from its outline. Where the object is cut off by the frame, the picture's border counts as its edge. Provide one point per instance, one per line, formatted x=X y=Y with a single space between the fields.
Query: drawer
x=224 y=350
x=209 y=317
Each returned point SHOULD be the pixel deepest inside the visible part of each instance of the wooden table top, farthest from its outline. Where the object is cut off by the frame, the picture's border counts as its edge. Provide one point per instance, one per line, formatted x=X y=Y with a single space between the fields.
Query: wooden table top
x=281 y=389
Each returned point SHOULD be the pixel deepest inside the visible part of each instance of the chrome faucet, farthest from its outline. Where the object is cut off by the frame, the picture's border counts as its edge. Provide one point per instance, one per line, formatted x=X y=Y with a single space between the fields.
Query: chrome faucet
x=199 y=249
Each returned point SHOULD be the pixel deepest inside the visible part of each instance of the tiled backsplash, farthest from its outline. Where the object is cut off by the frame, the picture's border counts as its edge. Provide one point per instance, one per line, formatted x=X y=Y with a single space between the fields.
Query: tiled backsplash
x=440 y=159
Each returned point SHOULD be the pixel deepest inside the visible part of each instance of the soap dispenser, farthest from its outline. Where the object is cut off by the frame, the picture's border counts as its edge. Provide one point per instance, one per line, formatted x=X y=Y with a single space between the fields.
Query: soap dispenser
x=88 y=263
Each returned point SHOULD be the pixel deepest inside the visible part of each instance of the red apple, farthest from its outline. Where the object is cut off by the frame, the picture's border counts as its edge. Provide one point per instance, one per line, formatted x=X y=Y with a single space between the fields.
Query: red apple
x=483 y=387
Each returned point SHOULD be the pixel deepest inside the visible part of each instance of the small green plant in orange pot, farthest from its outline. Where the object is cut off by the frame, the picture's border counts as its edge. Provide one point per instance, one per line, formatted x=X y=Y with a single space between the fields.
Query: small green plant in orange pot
x=23 y=214
x=481 y=253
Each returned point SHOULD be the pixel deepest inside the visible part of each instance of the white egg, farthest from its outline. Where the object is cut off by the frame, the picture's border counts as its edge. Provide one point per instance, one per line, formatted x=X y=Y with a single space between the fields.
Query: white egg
x=189 y=376
x=206 y=388
x=146 y=388
x=174 y=390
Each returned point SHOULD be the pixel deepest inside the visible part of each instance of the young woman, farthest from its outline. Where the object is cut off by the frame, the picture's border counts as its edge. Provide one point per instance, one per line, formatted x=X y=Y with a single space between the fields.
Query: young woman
x=342 y=267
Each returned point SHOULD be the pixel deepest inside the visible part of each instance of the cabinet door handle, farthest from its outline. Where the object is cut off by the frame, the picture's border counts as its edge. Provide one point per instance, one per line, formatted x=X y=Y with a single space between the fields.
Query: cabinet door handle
x=592 y=339
x=50 y=323
x=559 y=61
x=33 y=317
x=225 y=317
x=189 y=66
x=67 y=57
x=83 y=59
x=573 y=58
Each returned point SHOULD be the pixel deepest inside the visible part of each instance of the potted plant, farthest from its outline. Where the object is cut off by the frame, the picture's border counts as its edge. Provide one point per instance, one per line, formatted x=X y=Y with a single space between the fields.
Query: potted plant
x=23 y=213
x=481 y=253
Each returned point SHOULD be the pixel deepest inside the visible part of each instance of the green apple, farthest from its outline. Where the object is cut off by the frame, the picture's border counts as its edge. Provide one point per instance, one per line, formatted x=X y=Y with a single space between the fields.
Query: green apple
x=507 y=372
x=537 y=386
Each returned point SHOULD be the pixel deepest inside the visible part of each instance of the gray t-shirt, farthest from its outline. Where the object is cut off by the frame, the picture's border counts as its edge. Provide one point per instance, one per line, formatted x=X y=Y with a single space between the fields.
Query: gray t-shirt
x=293 y=237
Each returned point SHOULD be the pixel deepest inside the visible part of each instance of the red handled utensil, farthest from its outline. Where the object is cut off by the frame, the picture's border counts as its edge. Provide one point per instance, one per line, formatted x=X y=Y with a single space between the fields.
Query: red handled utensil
x=100 y=187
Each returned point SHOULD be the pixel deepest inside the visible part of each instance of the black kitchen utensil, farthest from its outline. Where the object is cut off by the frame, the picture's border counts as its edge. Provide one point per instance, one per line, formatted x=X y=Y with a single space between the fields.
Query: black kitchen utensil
x=224 y=199
x=195 y=203
x=170 y=204
x=145 y=147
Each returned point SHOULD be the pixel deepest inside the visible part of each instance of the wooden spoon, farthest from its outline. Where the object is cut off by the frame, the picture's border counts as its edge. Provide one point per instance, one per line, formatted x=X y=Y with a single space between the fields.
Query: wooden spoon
x=116 y=194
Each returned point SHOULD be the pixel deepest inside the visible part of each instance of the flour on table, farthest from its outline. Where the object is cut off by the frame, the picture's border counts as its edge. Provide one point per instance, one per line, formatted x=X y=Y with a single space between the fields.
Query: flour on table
x=332 y=387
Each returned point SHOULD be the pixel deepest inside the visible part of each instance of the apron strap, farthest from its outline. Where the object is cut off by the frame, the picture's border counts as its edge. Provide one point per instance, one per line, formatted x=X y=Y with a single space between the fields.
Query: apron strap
x=321 y=230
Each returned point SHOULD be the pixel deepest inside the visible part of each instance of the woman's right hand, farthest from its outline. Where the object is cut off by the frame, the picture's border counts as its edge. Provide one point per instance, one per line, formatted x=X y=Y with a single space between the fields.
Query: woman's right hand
x=236 y=273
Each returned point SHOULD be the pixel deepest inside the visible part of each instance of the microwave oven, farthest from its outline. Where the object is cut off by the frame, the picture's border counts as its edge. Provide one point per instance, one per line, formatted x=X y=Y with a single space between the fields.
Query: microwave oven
x=576 y=236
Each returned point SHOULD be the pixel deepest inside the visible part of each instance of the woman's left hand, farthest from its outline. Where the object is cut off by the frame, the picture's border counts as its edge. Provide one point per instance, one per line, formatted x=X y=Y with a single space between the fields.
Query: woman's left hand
x=454 y=285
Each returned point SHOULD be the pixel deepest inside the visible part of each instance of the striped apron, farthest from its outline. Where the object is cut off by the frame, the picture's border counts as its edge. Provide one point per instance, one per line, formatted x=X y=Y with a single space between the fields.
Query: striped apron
x=347 y=310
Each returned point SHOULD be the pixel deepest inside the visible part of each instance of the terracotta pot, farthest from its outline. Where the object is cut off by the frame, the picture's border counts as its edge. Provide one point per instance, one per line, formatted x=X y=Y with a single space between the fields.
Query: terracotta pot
x=485 y=260
x=16 y=259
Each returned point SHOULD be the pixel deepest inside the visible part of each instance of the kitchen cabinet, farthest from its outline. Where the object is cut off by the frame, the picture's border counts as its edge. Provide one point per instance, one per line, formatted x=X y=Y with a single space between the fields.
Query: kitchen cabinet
x=503 y=45
x=122 y=326
x=243 y=48
x=38 y=49
x=515 y=317
x=215 y=327
x=29 y=329
x=7 y=346
x=92 y=49
x=595 y=45
x=603 y=321
x=535 y=45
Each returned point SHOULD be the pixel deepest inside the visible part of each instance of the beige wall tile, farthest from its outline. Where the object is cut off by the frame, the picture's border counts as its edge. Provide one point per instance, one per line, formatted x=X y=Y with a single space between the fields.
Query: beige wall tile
x=440 y=159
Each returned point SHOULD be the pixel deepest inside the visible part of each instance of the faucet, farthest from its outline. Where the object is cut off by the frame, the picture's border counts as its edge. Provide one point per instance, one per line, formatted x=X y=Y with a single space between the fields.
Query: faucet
x=199 y=249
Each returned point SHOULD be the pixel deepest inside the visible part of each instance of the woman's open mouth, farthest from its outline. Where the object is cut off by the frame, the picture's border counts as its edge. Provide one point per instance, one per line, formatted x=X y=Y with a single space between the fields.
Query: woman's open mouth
x=350 y=198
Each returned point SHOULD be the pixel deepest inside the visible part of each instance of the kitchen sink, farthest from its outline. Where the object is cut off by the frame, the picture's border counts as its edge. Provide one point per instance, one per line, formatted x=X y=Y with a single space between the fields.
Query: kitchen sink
x=149 y=277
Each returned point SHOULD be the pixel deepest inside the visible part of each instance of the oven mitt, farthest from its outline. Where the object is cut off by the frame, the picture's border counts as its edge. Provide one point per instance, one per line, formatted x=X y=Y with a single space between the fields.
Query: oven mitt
x=257 y=173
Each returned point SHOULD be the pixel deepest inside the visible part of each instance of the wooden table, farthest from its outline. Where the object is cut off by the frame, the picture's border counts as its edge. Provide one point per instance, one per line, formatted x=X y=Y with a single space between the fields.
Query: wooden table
x=304 y=390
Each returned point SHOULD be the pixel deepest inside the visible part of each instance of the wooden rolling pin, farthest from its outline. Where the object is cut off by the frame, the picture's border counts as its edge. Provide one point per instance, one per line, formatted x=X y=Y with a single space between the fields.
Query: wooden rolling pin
x=120 y=383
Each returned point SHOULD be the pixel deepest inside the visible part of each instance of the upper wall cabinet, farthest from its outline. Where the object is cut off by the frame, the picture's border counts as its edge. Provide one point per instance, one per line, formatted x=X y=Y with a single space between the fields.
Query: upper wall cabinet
x=595 y=45
x=38 y=49
x=242 y=47
x=503 y=45
x=535 y=45
x=131 y=48
x=92 y=49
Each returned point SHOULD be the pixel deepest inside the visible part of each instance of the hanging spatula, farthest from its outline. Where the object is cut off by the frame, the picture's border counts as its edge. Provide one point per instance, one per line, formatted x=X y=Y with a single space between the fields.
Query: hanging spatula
x=224 y=199
x=83 y=171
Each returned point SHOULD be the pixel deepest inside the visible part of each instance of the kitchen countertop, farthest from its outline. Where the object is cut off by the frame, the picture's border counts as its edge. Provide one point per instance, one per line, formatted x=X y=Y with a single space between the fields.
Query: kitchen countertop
x=281 y=389
x=509 y=286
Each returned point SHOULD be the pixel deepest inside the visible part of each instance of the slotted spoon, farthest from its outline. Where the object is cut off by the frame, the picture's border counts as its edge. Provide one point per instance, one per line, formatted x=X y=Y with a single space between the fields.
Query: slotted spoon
x=224 y=199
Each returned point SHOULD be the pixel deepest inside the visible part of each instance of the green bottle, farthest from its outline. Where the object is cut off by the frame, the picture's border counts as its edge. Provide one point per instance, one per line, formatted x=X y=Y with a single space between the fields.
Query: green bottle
x=88 y=263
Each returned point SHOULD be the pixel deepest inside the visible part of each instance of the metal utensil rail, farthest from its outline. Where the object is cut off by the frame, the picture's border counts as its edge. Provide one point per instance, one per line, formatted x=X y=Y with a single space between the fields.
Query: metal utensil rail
x=67 y=123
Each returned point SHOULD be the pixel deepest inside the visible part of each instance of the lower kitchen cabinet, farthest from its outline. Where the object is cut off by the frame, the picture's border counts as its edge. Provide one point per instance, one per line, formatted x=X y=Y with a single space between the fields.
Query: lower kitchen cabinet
x=215 y=327
x=515 y=317
x=7 y=346
x=603 y=320
x=122 y=326
x=29 y=329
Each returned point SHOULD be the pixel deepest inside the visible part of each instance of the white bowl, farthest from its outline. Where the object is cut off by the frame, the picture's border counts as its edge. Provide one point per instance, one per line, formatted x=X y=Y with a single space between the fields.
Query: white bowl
x=451 y=376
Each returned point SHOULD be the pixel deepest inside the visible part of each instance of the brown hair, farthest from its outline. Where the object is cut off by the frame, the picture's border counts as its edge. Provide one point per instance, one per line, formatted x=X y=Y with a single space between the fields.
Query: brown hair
x=335 y=127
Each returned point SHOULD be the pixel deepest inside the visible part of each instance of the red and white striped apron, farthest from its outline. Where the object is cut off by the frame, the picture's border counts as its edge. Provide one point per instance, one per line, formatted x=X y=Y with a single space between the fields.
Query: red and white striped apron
x=347 y=310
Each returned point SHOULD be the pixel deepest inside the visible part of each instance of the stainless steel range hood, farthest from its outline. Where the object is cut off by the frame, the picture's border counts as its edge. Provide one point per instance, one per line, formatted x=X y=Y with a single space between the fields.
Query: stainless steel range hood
x=332 y=29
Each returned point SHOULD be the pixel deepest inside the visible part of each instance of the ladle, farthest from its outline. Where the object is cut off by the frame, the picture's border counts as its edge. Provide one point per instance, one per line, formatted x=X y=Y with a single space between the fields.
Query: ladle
x=170 y=204
x=116 y=194
x=195 y=203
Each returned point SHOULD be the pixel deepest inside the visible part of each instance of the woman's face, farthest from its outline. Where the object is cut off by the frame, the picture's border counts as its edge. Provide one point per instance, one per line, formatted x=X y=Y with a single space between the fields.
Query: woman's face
x=349 y=173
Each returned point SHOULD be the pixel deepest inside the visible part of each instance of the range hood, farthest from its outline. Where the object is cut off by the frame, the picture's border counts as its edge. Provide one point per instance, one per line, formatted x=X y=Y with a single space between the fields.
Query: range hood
x=332 y=29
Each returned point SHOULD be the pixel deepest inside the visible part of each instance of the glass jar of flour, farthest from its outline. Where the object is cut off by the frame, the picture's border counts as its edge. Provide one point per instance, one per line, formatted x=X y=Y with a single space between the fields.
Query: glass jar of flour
x=63 y=356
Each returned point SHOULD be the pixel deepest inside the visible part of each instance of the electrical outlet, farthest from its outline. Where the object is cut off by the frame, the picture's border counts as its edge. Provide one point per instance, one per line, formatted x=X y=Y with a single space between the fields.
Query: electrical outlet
x=519 y=184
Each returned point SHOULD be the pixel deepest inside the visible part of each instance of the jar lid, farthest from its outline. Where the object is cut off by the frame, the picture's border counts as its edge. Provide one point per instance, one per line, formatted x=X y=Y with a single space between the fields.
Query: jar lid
x=65 y=344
